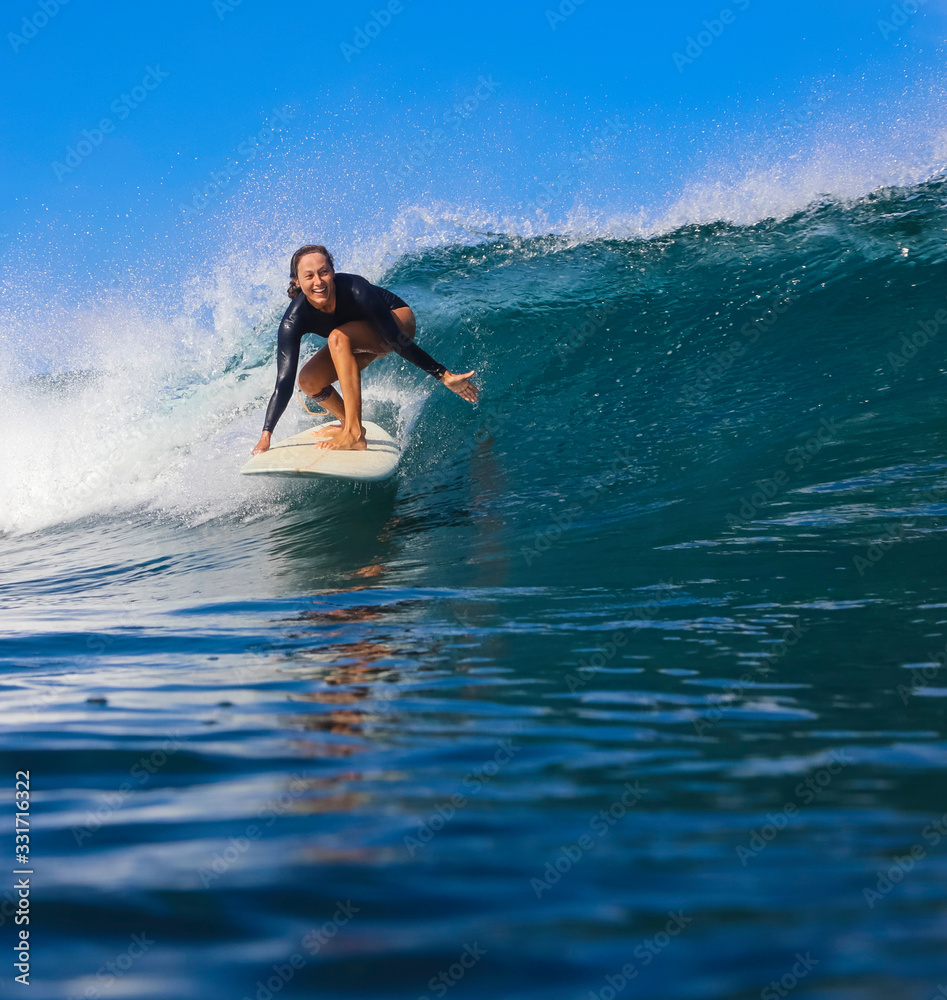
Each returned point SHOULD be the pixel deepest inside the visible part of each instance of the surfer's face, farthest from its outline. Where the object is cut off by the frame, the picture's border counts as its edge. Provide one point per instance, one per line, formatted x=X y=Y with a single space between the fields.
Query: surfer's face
x=317 y=279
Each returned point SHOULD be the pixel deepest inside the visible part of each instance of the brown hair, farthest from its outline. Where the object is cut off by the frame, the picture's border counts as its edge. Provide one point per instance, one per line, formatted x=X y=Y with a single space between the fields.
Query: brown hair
x=294 y=288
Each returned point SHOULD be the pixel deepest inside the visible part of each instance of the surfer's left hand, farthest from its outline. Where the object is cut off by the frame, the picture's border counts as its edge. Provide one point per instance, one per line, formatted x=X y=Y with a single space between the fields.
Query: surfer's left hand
x=462 y=385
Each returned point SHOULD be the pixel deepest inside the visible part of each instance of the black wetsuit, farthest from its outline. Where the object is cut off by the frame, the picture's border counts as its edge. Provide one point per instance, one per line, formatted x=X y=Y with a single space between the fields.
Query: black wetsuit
x=356 y=298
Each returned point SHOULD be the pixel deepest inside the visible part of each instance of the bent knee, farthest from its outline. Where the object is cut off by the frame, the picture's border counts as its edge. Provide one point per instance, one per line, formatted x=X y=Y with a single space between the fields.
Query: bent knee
x=337 y=339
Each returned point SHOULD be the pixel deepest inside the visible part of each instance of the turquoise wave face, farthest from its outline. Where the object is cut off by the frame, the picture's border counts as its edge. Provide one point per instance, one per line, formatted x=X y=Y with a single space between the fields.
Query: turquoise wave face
x=630 y=682
x=712 y=387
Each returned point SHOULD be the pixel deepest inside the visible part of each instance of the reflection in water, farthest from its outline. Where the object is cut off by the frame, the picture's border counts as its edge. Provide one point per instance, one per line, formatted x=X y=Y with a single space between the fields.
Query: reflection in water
x=348 y=668
x=487 y=483
x=336 y=530
x=358 y=668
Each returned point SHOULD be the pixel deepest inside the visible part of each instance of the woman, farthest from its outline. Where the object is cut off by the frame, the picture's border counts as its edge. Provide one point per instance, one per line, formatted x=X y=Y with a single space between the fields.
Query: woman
x=361 y=322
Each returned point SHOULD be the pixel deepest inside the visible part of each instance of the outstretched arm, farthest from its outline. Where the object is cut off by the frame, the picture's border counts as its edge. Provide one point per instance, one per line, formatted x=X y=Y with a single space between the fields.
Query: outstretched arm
x=384 y=322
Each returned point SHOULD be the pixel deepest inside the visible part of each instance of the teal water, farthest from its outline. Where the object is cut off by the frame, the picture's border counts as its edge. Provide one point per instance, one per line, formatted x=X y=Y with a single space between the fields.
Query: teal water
x=630 y=684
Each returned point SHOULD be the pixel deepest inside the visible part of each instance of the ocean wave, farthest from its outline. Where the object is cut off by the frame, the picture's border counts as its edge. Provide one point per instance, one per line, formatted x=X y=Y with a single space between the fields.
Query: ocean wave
x=701 y=339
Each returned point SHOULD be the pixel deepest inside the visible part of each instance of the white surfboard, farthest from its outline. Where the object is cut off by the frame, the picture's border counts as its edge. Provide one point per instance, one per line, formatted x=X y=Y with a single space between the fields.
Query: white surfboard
x=300 y=456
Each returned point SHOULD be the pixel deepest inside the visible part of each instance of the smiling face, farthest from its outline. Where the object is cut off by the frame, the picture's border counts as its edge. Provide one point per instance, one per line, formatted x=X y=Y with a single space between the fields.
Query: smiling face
x=316 y=278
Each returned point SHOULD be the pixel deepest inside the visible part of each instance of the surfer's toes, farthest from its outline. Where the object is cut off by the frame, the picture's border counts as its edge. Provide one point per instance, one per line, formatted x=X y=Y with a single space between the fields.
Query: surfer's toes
x=343 y=442
x=330 y=430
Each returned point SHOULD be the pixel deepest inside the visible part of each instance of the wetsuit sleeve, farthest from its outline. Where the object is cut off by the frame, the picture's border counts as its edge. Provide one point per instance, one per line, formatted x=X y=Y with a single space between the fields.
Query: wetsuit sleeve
x=369 y=297
x=287 y=360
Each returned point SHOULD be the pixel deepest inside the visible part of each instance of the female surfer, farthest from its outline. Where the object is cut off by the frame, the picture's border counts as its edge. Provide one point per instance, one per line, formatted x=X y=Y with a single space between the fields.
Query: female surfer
x=361 y=322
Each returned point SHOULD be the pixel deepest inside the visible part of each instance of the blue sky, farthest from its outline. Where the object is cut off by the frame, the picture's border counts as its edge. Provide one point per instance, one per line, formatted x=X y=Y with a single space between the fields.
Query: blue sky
x=336 y=117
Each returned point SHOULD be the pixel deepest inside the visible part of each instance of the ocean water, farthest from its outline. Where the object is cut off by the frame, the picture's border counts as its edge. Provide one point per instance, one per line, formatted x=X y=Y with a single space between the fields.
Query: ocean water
x=630 y=684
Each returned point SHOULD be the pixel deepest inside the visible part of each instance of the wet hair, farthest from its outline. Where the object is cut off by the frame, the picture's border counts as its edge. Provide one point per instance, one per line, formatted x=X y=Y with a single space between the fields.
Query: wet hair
x=294 y=288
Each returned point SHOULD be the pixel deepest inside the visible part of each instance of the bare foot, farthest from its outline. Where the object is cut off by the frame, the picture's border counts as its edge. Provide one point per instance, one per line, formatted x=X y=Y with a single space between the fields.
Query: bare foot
x=326 y=431
x=344 y=441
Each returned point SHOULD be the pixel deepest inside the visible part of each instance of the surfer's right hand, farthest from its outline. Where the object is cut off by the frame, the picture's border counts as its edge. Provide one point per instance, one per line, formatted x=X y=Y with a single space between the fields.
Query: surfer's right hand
x=263 y=444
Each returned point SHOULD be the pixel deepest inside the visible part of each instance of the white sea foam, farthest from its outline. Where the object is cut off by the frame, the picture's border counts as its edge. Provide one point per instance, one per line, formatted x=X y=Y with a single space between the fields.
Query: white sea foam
x=161 y=415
